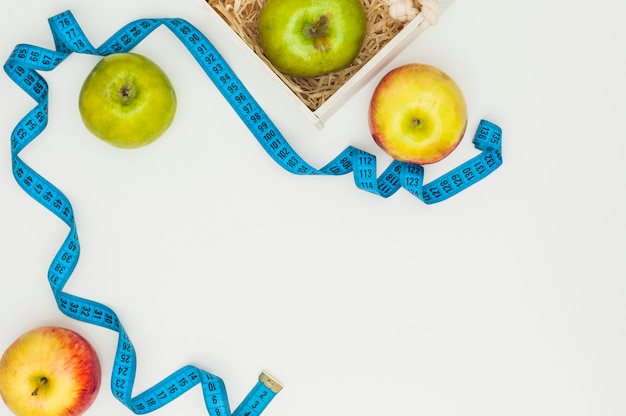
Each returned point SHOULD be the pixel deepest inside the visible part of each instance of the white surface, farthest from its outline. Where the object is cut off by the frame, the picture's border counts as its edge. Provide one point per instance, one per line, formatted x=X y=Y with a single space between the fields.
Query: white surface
x=507 y=299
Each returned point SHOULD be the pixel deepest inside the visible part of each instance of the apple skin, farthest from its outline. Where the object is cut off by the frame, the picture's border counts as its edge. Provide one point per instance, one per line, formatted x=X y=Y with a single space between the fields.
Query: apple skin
x=417 y=114
x=66 y=360
x=127 y=100
x=308 y=38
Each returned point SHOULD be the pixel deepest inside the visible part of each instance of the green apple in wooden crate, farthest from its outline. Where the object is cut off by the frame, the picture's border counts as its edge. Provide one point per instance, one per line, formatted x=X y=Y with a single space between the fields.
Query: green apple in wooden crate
x=307 y=38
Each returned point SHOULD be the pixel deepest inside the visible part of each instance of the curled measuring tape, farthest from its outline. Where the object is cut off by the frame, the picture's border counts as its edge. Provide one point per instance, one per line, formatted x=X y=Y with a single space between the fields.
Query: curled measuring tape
x=22 y=67
x=69 y=37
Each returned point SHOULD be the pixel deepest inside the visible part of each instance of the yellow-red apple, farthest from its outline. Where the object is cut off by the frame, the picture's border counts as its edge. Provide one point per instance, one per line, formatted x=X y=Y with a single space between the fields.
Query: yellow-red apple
x=49 y=371
x=417 y=114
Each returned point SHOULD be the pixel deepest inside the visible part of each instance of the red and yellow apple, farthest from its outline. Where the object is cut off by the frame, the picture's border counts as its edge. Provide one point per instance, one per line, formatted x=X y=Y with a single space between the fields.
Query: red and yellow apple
x=417 y=114
x=49 y=371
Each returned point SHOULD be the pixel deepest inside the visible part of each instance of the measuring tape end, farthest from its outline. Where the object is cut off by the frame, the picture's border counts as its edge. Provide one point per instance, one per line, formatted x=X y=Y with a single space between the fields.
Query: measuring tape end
x=270 y=382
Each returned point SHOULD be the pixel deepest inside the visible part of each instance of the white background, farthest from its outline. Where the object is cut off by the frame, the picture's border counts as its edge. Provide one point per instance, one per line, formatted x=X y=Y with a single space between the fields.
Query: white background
x=508 y=299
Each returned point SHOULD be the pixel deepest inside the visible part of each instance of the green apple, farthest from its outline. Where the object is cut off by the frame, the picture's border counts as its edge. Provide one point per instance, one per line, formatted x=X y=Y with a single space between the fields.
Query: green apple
x=49 y=371
x=307 y=38
x=417 y=114
x=127 y=100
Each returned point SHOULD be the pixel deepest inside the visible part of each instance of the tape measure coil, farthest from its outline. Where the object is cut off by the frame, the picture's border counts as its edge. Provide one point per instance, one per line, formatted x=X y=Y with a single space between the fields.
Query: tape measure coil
x=22 y=66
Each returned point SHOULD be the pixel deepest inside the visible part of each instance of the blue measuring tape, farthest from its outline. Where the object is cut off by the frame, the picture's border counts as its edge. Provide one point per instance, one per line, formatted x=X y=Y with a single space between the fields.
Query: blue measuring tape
x=22 y=66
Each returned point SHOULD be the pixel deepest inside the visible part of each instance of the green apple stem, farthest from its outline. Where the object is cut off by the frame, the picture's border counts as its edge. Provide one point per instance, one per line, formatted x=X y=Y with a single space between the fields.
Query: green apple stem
x=127 y=93
x=319 y=26
x=318 y=33
x=42 y=382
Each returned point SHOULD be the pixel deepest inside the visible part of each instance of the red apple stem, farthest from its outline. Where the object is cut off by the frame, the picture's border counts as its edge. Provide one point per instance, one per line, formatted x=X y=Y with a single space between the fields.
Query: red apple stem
x=42 y=382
